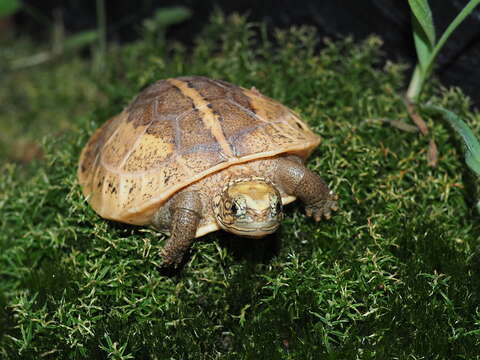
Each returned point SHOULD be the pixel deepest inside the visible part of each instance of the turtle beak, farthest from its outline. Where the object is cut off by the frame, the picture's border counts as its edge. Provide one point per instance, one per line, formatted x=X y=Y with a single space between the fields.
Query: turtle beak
x=256 y=230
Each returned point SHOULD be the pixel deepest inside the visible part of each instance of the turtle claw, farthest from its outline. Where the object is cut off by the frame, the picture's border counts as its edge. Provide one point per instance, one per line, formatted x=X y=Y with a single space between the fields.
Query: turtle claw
x=322 y=208
x=308 y=211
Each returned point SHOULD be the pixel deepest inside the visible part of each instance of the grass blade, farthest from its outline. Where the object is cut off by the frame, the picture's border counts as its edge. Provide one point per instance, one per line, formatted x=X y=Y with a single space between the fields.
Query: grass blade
x=422 y=45
x=424 y=39
x=451 y=28
x=80 y=40
x=472 y=146
x=165 y=17
x=423 y=15
x=101 y=55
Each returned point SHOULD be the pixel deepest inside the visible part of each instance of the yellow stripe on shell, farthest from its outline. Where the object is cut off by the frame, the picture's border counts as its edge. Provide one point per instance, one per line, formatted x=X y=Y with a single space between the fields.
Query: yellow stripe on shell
x=209 y=119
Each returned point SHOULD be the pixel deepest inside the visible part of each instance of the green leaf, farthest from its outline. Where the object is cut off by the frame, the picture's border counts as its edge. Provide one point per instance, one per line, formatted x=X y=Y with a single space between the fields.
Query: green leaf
x=423 y=31
x=80 y=40
x=472 y=146
x=451 y=28
x=423 y=15
x=422 y=45
x=166 y=17
x=9 y=7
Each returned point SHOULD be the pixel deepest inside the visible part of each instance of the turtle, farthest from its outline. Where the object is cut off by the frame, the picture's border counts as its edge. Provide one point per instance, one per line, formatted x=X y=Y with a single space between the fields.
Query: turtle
x=192 y=155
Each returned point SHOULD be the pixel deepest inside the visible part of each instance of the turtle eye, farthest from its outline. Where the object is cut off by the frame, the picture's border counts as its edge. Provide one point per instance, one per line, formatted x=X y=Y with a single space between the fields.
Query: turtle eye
x=237 y=209
x=234 y=208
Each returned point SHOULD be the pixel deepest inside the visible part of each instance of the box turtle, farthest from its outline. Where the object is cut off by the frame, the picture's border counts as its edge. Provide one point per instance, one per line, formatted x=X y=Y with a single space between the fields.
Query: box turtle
x=192 y=155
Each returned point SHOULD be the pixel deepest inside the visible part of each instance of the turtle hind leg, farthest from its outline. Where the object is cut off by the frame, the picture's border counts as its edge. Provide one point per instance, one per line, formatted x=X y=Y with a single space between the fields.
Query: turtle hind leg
x=299 y=181
x=185 y=212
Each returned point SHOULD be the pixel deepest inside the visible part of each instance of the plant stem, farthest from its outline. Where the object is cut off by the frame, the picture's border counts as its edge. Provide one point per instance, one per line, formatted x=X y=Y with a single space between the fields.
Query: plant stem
x=102 y=32
x=416 y=84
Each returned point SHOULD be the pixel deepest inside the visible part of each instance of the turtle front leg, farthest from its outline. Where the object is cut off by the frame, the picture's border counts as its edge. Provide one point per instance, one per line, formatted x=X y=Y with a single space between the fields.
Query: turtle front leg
x=185 y=212
x=297 y=180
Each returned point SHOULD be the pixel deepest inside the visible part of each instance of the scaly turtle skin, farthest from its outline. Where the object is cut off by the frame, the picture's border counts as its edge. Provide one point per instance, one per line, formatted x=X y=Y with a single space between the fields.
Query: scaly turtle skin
x=193 y=155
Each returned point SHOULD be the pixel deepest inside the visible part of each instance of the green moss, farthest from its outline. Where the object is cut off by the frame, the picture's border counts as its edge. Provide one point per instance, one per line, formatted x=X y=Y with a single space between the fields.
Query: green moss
x=393 y=275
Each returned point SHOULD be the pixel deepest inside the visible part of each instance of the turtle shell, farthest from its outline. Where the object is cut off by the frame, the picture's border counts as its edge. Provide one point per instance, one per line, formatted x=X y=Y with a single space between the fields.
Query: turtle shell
x=176 y=132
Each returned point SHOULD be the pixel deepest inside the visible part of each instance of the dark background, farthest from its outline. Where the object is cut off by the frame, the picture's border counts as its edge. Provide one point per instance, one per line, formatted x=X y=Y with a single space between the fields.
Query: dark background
x=457 y=65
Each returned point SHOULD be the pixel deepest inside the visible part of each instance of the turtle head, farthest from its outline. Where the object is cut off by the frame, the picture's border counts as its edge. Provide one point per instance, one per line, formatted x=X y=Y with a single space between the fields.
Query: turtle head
x=250 y=207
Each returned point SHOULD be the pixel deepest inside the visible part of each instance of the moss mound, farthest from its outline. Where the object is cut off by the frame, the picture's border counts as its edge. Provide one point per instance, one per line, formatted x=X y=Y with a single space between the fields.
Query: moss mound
x=393 y=275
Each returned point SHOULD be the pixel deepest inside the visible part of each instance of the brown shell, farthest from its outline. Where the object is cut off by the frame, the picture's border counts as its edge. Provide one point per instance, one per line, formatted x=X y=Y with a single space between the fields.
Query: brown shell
x=176 y=132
